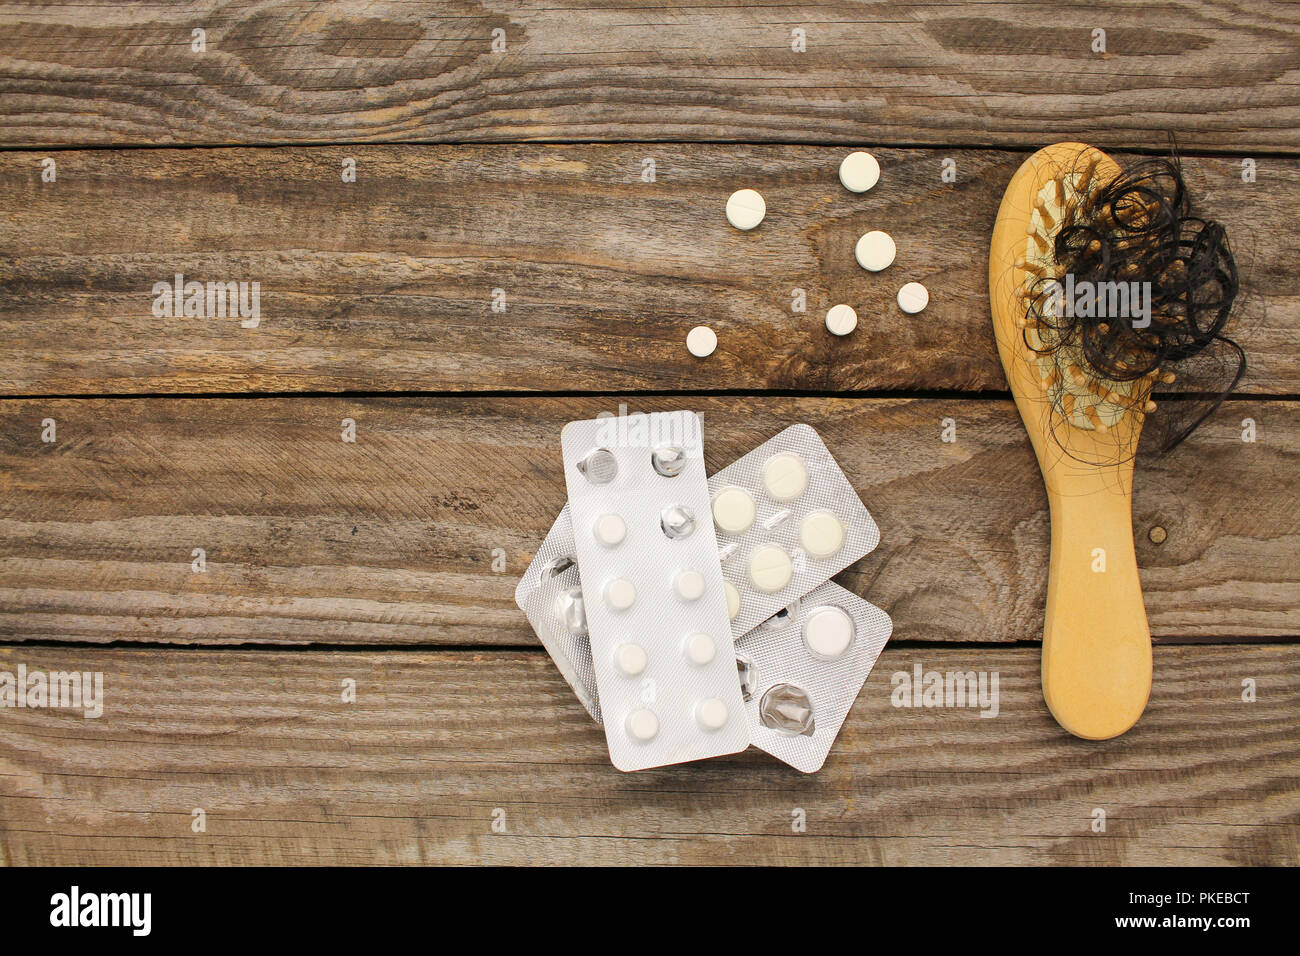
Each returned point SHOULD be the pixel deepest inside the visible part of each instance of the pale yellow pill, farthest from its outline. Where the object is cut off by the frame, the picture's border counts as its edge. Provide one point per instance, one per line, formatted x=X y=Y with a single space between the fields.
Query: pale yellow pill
x=690 y=585
x=733 y=600
x=733 y=510
x=913 y=297
x=642 y=725
x=828 y=632
x=746 y=209
x=821 y=534
x=700 y=649
x=711 y=713
x=784 y=476
x=841 y=319
x=859 y=171
x=875 y=251
x=770 y=569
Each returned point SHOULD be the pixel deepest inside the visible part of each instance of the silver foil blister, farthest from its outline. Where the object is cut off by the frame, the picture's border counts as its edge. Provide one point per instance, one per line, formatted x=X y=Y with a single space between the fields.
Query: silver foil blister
x=656 y=611
x=778 y=523
x=797 y=694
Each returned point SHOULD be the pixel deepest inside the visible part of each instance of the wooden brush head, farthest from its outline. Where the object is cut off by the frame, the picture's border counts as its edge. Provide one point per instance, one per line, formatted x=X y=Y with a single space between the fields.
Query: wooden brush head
x=1074 y=416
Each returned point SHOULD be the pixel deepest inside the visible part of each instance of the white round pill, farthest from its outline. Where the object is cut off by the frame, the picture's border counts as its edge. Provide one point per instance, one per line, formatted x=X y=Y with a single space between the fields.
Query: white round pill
x=828 y=632
x=610 y=530
x=630 y=659
x=733 y=510
x=913 y=297
x=770 y=568
x=875 y=251
x=619 y=594
x=859 y=172
x=784 y=476
x=821 y=534
x=701 y=341
x=690 y=585
x=642 y=724
x=733 y=600
x=711 y=713
x=746 y=209
x=700 y=649
x=841 y=319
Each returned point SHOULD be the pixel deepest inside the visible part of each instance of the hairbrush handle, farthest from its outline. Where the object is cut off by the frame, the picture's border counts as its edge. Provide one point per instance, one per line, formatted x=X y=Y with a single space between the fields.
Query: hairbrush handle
x=1096 y=643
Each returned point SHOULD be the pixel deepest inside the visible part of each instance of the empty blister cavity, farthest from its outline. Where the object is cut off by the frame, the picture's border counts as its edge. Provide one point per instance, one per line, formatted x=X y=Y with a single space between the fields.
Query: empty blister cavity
x=770 y=569
x=677 y=521
x=668 y=460
x=787 y=708
x=662 y=583
x=689 y=585
x=785 y=477
x=600 y=467
x=610 y=530
x=828 y=632
x=569 y=610
x=733 y=510
x=821 y=534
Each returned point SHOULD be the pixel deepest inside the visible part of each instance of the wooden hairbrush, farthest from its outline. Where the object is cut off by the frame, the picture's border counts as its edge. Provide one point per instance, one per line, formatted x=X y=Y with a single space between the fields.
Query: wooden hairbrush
x=1096 y=667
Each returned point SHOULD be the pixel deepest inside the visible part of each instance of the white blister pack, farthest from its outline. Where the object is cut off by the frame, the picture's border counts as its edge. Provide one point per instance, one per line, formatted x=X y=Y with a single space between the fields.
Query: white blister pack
x=787 y=519
x=656 y=608
x=550 y=594
x=801 y=671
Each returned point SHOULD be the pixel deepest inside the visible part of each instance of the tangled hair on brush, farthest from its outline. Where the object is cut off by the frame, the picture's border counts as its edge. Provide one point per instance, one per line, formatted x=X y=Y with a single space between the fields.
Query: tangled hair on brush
x=1139 y=227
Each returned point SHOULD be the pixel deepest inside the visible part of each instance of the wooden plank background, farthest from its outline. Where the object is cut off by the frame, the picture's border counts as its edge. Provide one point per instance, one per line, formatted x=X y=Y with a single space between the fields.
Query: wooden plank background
x=522 y=170
x=411 y=773
x=1218 y=74
x=387 y=283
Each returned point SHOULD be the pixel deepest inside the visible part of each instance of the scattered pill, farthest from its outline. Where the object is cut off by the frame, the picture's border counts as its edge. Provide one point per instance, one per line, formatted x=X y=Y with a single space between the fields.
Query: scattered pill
x=677 y=521
x=875 y=251
x=701 y=341
x=620 y=594
x=733 y=599
x=668 y=460
x=733 y=510
x=770 y=569
x=610 y=530
x=913 y=297
x=746 y=209
x=711 y=713
x=690 y=585
x=642 y=724
x=599 y=466
x=630 y=659
x=828 y=632
x=700 y=649
x=841 y=319
x=784 y=476
x=821 y=534
x=859 y=171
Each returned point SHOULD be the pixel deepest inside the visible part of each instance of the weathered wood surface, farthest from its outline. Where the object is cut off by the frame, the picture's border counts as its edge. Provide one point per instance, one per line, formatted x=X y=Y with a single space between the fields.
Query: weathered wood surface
x=387 y=283
x=413 y=770
x=390 y=540
x=1217 y=74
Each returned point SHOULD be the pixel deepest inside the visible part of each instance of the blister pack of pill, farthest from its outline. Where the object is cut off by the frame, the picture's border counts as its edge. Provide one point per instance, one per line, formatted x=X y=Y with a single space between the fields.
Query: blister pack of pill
x=802 y=669
x=550 y=594
x=654 y=600
x=787 y=519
